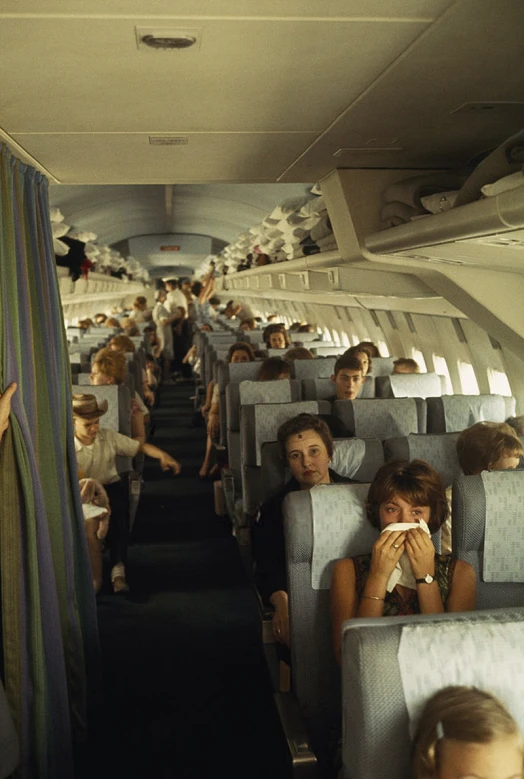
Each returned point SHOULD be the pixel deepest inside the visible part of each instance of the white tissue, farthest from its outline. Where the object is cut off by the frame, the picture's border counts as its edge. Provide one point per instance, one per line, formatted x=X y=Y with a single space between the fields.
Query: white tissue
x=402 y=573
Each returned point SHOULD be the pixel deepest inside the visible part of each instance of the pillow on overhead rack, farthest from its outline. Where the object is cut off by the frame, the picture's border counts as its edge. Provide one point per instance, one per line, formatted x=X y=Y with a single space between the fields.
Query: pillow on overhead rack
x=505 y=159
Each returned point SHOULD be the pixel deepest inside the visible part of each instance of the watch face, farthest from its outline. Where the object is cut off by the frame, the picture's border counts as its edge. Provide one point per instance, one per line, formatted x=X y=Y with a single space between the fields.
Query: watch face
x=428 y=578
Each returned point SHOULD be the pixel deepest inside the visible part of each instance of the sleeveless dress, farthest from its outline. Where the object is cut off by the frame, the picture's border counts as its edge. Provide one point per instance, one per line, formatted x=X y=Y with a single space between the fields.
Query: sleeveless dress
x=394 y=605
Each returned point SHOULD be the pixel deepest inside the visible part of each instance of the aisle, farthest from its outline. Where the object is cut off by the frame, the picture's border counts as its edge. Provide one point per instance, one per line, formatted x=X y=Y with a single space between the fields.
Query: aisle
x=186 y=686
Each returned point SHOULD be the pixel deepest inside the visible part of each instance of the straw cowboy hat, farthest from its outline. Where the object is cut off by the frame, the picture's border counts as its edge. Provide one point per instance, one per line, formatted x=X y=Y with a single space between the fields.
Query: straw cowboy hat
x=87 y=406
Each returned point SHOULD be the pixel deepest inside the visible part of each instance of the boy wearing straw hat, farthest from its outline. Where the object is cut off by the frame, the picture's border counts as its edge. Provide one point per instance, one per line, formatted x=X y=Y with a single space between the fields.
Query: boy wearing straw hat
x=96 y=452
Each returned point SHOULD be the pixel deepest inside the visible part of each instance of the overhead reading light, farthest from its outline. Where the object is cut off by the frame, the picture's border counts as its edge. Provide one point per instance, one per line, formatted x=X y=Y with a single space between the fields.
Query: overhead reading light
x=182 y=42
x=168 y=38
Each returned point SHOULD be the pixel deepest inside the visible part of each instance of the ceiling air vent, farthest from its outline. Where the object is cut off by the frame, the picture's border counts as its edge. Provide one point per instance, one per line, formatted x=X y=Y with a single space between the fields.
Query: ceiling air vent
x=167 y=39
x=168 y=140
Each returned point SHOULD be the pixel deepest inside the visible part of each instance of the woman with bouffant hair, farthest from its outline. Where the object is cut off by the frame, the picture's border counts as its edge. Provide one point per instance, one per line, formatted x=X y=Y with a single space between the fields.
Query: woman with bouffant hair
x=488 y=446
x=463 y=730
x=109 y=367
x=402 y=574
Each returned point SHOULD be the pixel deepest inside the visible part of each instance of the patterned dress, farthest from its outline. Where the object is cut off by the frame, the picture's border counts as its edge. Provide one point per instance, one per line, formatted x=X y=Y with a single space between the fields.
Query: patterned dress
x=394 y=605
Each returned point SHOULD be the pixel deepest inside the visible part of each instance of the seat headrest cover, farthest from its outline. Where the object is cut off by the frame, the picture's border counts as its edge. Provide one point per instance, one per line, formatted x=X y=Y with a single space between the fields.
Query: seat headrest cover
x=385 y=418
x=252 y=392
x=348 y=455
x=416 y=385
x=503 y=538
x=340 y=528
x=462 y=411
x=433 y=656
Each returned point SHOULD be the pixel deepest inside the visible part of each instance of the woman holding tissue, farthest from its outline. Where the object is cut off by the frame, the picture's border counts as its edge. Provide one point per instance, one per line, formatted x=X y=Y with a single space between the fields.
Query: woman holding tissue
x=403 y=574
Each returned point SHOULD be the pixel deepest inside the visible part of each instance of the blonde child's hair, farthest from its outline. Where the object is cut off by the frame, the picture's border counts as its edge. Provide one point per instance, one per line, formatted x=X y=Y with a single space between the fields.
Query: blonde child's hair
x=111 y=363
x=464 y=714
x=485 y=443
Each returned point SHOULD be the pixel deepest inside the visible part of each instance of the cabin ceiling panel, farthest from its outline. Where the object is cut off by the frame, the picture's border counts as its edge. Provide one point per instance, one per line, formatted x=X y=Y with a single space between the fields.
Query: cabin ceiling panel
x=96 y=80
x=105 y=158
x=471 y=54
x=389 y=9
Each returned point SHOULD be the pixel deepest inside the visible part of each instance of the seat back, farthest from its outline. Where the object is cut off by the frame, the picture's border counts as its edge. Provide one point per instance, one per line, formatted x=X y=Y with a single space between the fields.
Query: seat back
x=382 y=366
x=321 y=525
x=327 y=351
x=452 y=413
x=487 y=532
x=440 y=451
x=319 y=368
x=412 y=385
x=380 y=418
x=389 y=672
x=258 y=424
x=355 y=458
x=238 y=371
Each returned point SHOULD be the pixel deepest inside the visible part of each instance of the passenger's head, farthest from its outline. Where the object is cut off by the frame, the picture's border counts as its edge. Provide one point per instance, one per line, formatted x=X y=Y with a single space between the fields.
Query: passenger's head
x=140 y=303
x=206 y=328
x=274 y=368
x=488 y=446
x=371 y=348
x=171 y=284
x=109 y=367
x=306 y=329
x=348 y=377
x=405 y=491
x=122 y=343
x=240 y=352
x=196 y=288
x=466 y=732
x=214 y=302
x=405 y=365
x=100 y=319
x=85 y=324
x=127 y=322
x=298 y=353
x=86 y=416
x=307 y=447
x=247 y=324
x=362 y=354
x=160 y=295
x=112 y=322
x=276 y=337
x=517 y=423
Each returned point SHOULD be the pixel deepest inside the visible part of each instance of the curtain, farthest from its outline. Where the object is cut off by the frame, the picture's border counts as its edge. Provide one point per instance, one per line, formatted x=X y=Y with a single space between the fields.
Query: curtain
x=49 y=630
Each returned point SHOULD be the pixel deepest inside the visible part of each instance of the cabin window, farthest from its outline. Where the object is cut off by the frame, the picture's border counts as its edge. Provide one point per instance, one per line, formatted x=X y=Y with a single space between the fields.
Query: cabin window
x=345 y=340
x=441 y=367
x=498 y=382
x=468 y=380
x=419 y=358
x=336 y=338
x=383 y=349
x=326 y=334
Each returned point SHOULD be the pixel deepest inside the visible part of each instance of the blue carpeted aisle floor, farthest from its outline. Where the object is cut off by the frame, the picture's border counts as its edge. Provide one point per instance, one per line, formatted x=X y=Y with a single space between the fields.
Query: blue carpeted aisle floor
x=186 y=690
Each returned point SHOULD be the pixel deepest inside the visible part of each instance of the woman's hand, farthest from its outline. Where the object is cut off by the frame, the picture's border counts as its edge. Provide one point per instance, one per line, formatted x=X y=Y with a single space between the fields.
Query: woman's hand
x=281 y=618
x=387 y=551
x=421 y=552
x=168 y=463
x=5 y=407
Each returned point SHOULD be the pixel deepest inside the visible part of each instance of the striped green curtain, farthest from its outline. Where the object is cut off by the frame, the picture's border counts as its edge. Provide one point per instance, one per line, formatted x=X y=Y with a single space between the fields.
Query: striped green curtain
x=49 y=630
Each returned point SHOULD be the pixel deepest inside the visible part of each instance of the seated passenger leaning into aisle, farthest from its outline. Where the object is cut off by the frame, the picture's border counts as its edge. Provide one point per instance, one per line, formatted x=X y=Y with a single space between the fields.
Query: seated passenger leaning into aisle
x=402 y=574
x=96 y=452
x=467 y=732
x=306 y=446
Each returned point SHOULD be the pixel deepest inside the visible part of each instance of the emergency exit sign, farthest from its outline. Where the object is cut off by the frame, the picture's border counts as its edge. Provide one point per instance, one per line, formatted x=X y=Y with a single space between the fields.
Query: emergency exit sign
x=170 y=248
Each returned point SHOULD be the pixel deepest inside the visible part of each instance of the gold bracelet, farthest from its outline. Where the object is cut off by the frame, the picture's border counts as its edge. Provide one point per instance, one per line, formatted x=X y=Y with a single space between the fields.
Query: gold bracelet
x=372 y=597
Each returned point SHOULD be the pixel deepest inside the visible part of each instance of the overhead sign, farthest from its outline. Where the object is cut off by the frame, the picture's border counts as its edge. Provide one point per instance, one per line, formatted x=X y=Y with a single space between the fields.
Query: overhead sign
x=170 y=248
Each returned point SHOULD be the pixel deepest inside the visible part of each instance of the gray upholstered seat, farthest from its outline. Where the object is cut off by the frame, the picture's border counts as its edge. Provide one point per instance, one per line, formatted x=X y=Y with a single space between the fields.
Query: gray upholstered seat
x=380 y=418
x=356 y=458
x=327 y=351
x=376 y=709
x=321 y=525
x=319 y=368
x=258 y=424
x=452 y=413
x=488 y=515
x=440 y=451
x=382 y=366
x=232 y=372
x=412 y=385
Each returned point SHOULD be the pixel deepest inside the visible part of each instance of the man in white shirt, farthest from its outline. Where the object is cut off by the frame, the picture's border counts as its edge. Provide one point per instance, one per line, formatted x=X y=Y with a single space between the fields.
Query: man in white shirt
x=96 y=452
x=175 y=297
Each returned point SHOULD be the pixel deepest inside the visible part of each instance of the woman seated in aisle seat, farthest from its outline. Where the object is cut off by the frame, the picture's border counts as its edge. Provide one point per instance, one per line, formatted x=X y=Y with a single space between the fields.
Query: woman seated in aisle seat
x=298 y=353
x=96 y=452
x=274 y=368
x=96 y=526
x=123 y=343
x=363 y=355
x=276 y=337
x=402 y=574
x=109 y=367
x=239 y=352
x=306 y=446
x=405 y=365
x=488 y=446
x=371 y=347
x=467 y=732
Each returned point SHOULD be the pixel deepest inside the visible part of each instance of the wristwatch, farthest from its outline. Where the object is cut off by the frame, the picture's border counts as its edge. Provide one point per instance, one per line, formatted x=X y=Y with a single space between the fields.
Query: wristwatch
x=427 y=579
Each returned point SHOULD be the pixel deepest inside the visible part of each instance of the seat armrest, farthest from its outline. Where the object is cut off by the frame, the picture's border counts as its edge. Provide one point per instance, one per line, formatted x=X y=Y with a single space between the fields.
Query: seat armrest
x=303 y=758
